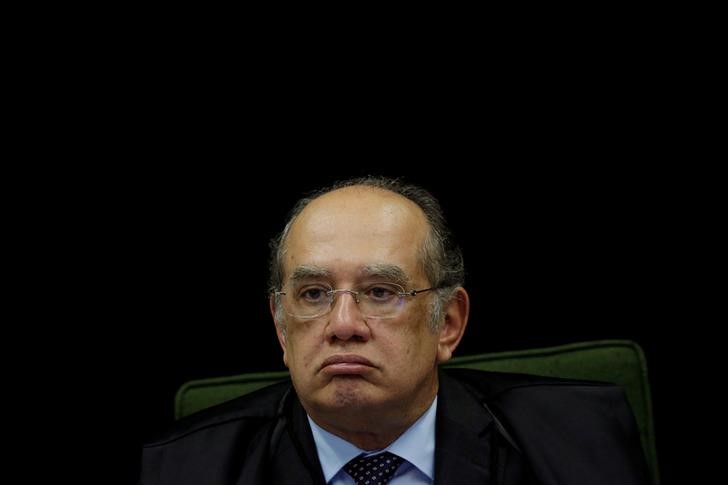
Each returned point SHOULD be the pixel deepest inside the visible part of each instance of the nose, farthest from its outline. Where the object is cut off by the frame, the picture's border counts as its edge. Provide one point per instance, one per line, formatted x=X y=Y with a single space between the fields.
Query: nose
x=345 y=320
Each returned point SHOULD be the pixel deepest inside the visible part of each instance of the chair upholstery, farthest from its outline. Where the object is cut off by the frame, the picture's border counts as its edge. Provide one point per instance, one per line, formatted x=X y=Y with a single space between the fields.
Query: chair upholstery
x=618 y=361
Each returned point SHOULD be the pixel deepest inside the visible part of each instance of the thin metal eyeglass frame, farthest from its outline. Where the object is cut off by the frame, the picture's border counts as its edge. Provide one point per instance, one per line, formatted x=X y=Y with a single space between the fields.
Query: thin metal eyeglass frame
x=332 y=294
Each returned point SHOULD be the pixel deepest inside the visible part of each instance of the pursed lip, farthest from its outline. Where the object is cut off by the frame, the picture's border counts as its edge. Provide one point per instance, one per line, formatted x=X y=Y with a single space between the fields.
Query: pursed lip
x=346 y=364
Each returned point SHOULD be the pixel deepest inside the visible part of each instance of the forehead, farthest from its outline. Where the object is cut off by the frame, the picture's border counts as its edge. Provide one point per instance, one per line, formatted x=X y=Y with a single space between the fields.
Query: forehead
x=357 y=227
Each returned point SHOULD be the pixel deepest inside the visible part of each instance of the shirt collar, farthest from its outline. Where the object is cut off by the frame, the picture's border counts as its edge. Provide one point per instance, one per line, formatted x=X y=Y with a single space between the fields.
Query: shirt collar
x=416 y=445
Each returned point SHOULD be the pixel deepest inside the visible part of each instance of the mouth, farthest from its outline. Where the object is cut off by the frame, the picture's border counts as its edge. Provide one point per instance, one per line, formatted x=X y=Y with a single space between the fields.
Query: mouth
x=346 y=364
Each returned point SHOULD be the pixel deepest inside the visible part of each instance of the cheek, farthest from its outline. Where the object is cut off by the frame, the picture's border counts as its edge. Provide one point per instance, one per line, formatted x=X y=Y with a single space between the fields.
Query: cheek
x=301 y=348
x=413 y=344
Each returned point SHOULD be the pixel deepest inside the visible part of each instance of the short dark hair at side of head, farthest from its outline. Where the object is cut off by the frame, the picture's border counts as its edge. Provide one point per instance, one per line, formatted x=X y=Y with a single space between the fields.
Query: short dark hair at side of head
x=441 y=257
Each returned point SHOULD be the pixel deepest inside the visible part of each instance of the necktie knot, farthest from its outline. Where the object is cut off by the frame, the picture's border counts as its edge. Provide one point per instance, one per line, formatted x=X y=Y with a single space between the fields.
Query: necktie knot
x=374 y=469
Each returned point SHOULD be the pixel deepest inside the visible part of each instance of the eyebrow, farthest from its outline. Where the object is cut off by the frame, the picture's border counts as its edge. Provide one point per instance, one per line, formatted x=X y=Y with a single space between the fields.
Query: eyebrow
x=307 y=272
x=390 y=272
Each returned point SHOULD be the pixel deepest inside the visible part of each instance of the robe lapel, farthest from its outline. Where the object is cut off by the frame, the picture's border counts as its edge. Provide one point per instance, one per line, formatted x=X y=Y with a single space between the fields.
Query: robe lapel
x=297 y=459
x=462 y=436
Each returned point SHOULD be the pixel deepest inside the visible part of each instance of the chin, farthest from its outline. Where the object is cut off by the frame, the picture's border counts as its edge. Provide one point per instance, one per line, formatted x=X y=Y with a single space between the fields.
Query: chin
x=350 y=392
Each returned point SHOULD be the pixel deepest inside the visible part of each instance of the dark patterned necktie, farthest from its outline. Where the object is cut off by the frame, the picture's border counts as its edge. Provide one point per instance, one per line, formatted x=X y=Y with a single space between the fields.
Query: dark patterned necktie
x=373 y=470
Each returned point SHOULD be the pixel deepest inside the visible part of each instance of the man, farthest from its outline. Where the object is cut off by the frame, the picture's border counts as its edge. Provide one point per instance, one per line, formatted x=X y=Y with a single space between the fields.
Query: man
x=367 y=298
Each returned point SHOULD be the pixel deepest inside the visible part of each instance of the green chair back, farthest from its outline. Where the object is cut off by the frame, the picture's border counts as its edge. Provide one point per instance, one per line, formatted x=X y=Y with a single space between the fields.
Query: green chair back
x=618 y=361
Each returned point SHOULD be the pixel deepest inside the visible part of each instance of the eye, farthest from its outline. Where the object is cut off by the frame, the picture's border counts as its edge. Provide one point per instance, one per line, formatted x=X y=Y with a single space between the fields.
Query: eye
x=313 y=294
x=382 y=292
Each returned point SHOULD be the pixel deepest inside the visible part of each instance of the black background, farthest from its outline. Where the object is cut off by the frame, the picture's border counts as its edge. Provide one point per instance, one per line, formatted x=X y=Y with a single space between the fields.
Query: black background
x=553 y=255
x=157 y=156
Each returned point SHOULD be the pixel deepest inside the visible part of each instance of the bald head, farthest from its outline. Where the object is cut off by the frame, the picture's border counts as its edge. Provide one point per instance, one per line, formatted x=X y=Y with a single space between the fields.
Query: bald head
x=357 y=220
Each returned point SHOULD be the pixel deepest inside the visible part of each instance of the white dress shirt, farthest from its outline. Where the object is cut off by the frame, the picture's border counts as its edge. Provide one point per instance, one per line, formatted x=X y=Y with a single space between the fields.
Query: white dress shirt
x=416 y=446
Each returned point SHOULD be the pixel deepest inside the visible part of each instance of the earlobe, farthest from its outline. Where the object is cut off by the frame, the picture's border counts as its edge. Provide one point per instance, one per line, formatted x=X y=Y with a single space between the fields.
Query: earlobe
x=456 y=319
x=280 y=332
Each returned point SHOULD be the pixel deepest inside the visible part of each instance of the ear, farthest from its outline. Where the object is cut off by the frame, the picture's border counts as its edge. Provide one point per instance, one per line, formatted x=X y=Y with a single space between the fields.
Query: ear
x=280 y=332
x=452 y=329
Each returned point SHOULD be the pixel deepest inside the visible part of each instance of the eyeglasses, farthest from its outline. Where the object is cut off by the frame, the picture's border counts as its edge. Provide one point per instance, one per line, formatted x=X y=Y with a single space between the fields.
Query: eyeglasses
x=380 y=300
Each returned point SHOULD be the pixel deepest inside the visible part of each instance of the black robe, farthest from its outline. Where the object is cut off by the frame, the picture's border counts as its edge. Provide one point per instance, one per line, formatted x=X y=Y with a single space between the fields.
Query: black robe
x=491 y=428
